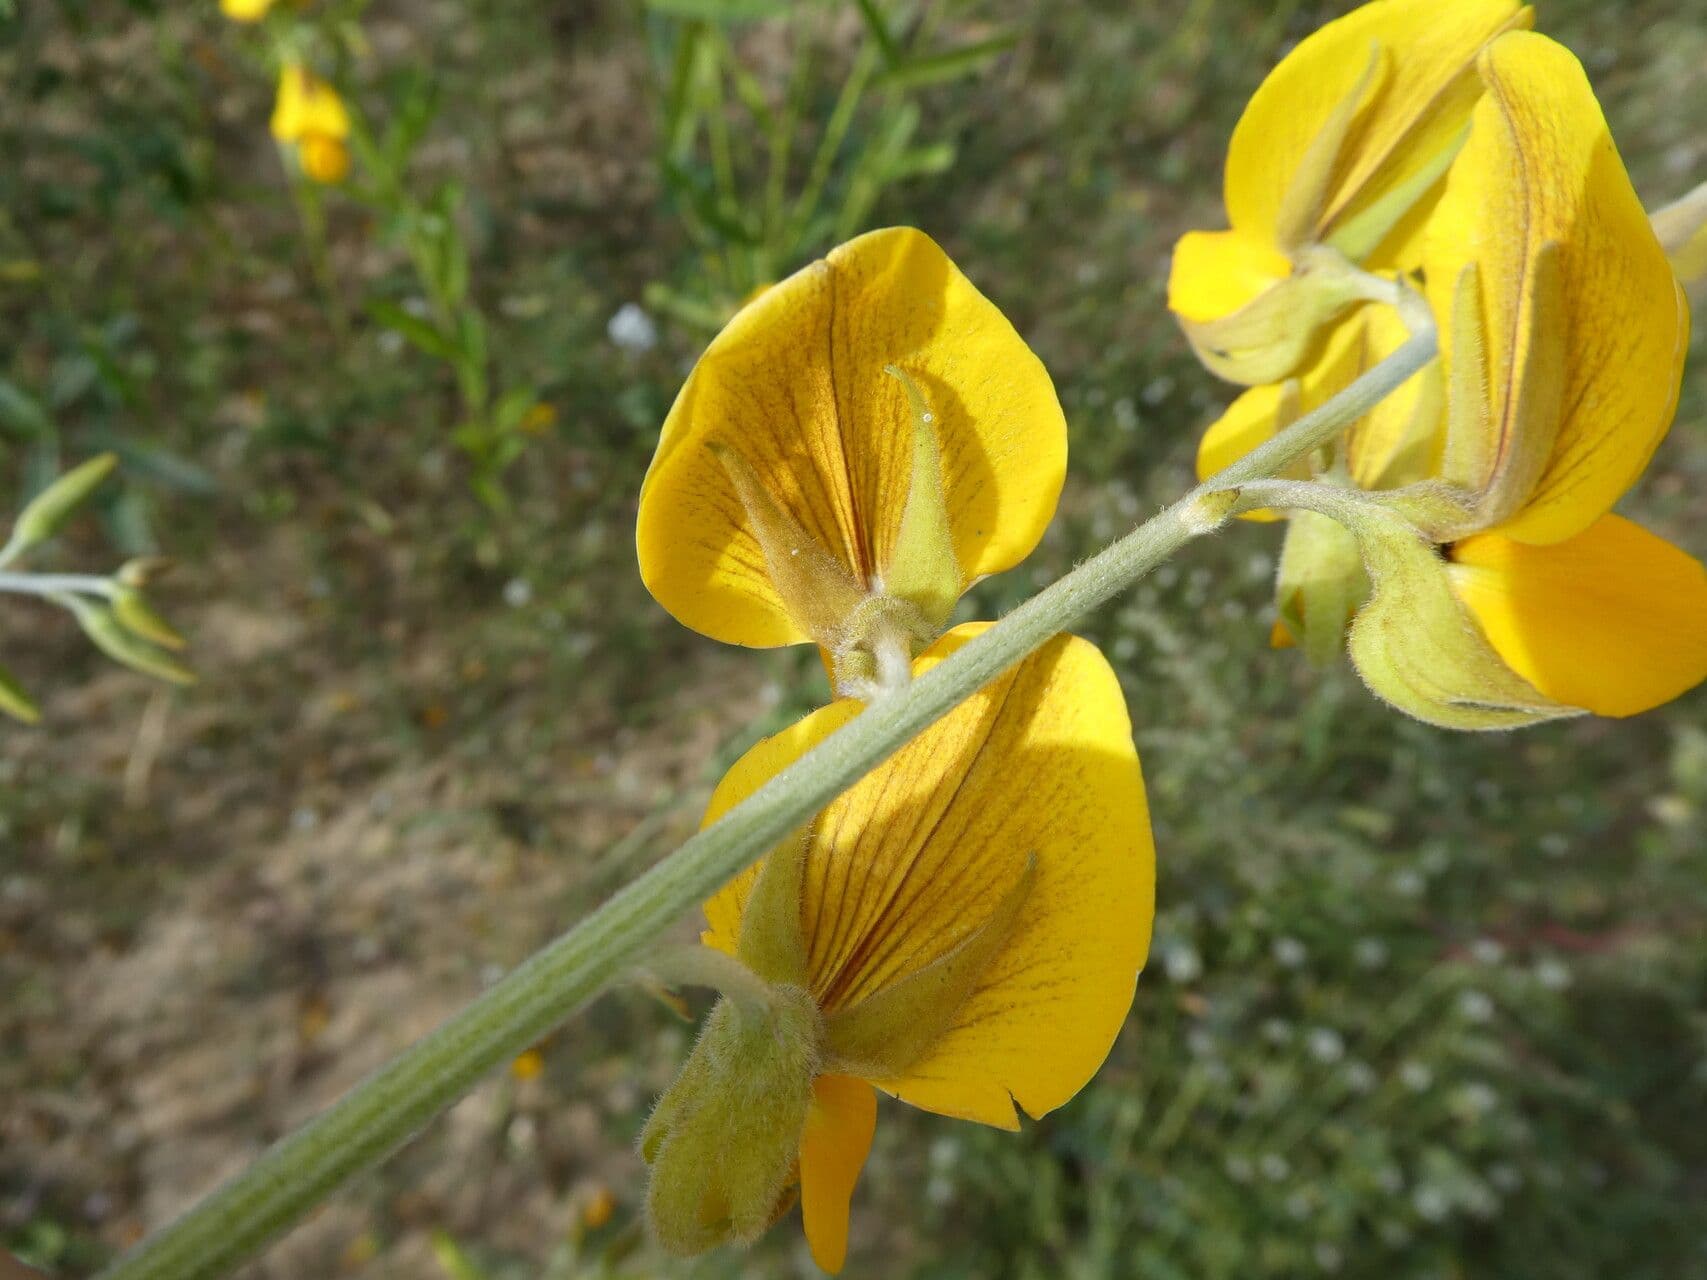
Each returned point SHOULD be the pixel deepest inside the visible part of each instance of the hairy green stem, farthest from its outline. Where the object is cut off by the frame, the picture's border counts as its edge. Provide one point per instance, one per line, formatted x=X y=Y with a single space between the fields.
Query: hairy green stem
x=55 y=584
x=376 y=1116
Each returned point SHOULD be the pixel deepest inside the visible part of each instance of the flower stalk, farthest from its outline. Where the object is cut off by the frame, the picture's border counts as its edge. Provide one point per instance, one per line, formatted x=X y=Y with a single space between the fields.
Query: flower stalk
x=382 y=1112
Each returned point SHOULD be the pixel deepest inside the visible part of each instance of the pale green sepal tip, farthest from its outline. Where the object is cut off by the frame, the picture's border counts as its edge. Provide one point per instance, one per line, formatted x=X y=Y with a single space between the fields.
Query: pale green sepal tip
x=1321 y=584
x=1414 y=643
x=922 y=568
x=42 y=515
x=772 y=944
x=140 y=620
x=1301 y=207
x=101 y=624
x=1361 y=234
x=15 y=702
x=723 y=1140
x=816 y=589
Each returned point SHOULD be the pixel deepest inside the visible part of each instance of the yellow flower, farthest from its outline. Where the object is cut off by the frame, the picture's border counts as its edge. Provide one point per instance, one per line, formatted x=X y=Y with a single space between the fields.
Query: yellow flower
x=860 y=443
x=310 y=116
x=963 y=930
x=245 y=10
x=1565 y=334
x=1336 y=161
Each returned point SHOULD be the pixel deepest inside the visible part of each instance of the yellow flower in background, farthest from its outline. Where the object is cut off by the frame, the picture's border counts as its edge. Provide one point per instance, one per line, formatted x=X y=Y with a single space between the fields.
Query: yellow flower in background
x=245 y=10
x=1565 y=334
x=1337 y=160
x=962 y=930
x=860 y=443
x=310 y=116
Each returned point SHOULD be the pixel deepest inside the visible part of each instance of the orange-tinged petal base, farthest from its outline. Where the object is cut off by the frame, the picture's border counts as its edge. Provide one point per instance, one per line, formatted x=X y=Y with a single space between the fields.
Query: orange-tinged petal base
x=840 y=1123
x=1613 y=620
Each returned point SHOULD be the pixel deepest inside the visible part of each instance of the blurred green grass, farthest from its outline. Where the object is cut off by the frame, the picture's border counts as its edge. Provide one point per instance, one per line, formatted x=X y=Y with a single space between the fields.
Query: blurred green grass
x=1419 y=1005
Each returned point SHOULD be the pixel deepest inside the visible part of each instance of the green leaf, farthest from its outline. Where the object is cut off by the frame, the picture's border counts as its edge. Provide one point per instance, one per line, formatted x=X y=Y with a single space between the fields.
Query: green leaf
x=938 y=67
x=511 y=408
x=48 y=510
x=421 y=333
x=721 y=10
x=874 y=21
x=15 y=702
x=22 y=414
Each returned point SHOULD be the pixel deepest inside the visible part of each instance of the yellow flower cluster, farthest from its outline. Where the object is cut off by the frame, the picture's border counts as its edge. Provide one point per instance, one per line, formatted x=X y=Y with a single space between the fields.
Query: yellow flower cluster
x=309 y=118
x=1443 y=149
x=963 y=928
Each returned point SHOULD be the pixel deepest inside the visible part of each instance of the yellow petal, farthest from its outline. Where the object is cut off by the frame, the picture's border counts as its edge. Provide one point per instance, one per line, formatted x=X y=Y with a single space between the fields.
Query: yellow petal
x=839 y=1126
x=917 y=856
x=307 y=106
x=1540 y=169
x=1215 y=273
x=1613 y=619
x=245 y=10
x=796 y=385
x=1415 y=113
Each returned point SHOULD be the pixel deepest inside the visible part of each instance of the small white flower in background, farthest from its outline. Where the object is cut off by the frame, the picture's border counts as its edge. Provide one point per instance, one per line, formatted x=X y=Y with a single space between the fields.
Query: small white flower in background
x=1431 y=1203
x=517 y=593
x=1326 y=1044
x=1274 y=1166
x=1553 y=974
x=1475 y=1005
x=1390 y=1178
x=1409 y=884
x=1415 y=1076
x=1476 y=1098
x=1182 y=963
x=1328 y=1257
x=1239 y=1168
x=1277 y=1031
x=1487 y=951
x=1290 y=952
x=1370 y=953
x=632 y=329
x=1359 y=1077
x=1506 y=1177
x=1394 y=1234
x=1200 y=1041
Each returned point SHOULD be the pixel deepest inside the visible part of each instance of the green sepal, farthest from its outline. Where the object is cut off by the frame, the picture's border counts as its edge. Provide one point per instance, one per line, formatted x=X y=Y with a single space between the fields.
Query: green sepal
x=888 y=1032
x=1360 y=234
x=133 y=611
x=772 y=943
x=48 y=510
x=1320 y=586
x=1271 y=337
x=15 y=702
x=1296 y=220
x=922 y=567
x=1414 y=643
x=817 y=589
x=724 y=1138
x=101 y=624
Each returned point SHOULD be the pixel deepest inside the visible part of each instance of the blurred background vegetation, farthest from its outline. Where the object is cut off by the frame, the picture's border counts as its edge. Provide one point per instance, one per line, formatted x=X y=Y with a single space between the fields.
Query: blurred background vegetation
x=1419 y=1005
